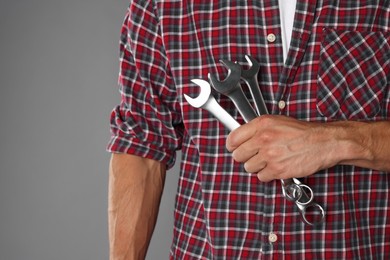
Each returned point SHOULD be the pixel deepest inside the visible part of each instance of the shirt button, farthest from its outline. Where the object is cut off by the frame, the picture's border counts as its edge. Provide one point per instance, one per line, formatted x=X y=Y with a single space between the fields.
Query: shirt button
x=272 y=237
x=282 y=104
x=271 y=37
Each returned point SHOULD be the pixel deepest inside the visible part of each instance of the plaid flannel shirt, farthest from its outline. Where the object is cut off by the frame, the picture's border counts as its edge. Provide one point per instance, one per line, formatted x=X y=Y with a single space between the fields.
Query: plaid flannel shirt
x=338 y=68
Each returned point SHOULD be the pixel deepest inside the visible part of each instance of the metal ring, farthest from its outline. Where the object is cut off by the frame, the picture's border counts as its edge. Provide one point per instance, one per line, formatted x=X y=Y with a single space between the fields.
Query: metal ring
x=320 y=213
x=309 y=198
x=293 y=192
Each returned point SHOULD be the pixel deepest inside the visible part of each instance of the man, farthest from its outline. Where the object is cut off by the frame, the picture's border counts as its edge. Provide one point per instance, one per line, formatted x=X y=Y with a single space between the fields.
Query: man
x=328 y=93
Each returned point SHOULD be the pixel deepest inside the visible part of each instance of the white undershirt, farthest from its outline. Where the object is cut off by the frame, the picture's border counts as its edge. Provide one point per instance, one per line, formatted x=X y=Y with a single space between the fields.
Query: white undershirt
x=287 y=12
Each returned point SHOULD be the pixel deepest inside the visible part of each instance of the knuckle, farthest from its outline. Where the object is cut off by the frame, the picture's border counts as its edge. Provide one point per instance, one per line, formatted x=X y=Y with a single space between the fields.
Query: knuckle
x=263 y=177
x=247 y=167
x=264 y=120
x=231 y=142
x=279 y=170
x=260 y=176
x=236 y=156
x=273 y=153
x=266 y=137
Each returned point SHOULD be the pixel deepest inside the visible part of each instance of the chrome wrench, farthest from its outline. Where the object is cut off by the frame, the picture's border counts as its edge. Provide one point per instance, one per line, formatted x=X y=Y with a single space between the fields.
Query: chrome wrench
x=206 y=101
x=231 y=87
x=250 y=78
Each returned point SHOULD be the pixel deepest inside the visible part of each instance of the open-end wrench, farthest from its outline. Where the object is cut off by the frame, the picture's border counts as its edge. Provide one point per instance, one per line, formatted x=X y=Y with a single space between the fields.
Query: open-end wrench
x=206 y=101
x=250 y=78
x=231 y=88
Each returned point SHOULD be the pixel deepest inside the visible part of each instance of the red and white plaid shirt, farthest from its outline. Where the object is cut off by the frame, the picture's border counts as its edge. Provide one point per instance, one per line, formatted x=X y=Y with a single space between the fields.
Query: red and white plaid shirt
x=338 y=68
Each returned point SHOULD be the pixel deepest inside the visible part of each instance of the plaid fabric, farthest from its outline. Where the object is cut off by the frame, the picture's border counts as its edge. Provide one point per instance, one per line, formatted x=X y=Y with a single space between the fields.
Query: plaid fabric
x=338 y=67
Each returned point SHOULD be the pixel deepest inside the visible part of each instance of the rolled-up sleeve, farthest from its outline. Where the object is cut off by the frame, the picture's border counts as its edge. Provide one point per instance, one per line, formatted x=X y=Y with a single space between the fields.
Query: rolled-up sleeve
x=148 y=121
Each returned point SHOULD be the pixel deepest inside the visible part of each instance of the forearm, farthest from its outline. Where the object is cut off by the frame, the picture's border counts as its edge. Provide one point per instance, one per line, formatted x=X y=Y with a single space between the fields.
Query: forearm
x=135 y=188
x=280 y=147
x=364 y=144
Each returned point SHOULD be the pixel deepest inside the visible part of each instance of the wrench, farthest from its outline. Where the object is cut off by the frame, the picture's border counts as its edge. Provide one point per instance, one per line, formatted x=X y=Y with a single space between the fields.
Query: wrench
x=206 y=101
x=231 y=87
x=250 y=78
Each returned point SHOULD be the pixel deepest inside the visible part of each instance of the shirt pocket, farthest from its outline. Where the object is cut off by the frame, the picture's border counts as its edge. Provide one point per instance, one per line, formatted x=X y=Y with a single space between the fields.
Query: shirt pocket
x=353 y=73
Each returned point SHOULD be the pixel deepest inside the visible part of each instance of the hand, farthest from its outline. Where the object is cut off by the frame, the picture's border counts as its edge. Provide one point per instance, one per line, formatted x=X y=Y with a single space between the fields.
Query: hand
x=279 y=147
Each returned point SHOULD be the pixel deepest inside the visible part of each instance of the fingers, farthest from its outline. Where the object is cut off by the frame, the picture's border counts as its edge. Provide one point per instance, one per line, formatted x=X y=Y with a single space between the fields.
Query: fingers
x=264 y=177
x=249 y=130
x=258 y=166
x=242 y=134
x=236 y=138
x=244 y=152
x=269 y=146
x=254 y=164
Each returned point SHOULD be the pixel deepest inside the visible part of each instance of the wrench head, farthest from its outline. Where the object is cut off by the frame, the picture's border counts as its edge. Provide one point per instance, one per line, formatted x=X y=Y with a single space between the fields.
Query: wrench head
x=231 y=81
x=254 y=67
x=204 y=95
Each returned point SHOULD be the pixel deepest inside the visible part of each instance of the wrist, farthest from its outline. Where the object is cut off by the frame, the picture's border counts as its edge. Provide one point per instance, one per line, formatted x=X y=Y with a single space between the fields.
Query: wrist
x=351 y=141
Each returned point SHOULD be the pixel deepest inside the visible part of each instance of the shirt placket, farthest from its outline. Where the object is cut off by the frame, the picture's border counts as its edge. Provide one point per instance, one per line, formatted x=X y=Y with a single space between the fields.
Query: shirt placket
x=302 y=30
x=303 y=22
x=272 y=64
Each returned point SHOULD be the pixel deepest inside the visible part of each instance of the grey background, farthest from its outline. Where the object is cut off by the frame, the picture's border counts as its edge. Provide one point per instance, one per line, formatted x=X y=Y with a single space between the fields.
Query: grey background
x=58 y=85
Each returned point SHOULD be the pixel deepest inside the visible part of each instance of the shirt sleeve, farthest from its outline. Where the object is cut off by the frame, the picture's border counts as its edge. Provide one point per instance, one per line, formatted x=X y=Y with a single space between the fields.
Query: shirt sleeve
x=148 y=121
